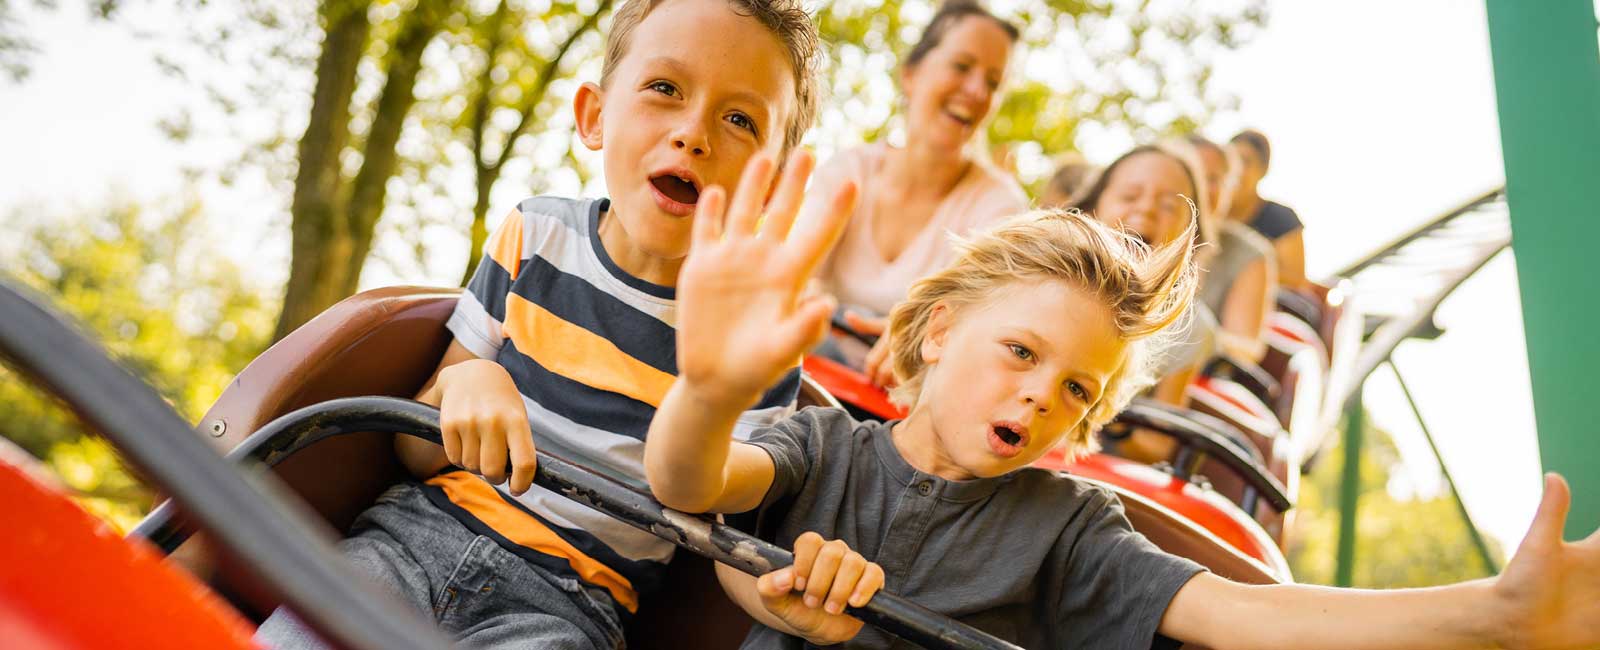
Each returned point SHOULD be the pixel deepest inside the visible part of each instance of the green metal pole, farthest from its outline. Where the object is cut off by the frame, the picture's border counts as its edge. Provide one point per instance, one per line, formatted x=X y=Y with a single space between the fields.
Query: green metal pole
x=1455 y=495
x=1547 y=79
x=1349 y=492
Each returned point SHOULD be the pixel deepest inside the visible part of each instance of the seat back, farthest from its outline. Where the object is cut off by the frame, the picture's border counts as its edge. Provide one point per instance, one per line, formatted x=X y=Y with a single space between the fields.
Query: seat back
x=388 y=342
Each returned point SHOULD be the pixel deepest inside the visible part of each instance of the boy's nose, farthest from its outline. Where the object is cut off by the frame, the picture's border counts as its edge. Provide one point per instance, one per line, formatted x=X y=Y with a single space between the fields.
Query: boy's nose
x=692 y=140
x=696 y=149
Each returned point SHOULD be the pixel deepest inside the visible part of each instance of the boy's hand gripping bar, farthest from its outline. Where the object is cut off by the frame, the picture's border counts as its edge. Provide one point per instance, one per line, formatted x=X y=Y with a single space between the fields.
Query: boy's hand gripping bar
x=698 y=533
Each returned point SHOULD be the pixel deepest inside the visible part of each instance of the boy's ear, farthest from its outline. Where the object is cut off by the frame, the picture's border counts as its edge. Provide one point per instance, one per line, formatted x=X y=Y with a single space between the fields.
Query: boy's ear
x=934 y=337
x=586 y=109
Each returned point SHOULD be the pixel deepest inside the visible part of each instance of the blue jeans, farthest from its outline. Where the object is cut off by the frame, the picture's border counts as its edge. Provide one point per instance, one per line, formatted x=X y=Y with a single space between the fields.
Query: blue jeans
x=477 y=592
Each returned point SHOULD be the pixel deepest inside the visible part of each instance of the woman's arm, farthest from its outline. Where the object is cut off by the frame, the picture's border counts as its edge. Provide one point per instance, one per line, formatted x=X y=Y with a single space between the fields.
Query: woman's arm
x=1244 y=312
x=1291 y=249
x=1547 y=598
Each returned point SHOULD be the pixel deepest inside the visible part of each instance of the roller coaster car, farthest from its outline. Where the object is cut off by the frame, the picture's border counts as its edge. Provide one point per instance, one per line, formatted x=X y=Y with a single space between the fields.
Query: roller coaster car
x=387 y=342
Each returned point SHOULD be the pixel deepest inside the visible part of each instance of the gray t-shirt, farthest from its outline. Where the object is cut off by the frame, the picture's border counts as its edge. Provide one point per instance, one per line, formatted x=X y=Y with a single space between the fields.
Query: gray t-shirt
x=1034 y=557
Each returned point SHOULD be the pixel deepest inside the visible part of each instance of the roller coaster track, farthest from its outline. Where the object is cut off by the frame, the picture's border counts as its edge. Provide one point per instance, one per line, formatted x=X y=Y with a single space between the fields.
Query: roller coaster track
x=1399 y=286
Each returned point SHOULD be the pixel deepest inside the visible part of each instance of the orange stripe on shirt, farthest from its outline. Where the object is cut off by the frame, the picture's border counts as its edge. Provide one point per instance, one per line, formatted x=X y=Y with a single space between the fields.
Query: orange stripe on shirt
x=581 y=355
x=505 y=245
x=484 y=502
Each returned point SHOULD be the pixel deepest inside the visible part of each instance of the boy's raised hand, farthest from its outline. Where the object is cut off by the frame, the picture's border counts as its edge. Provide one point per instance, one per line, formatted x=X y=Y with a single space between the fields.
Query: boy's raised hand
x=1550 y=591
x=744 y=317
x=810 y=595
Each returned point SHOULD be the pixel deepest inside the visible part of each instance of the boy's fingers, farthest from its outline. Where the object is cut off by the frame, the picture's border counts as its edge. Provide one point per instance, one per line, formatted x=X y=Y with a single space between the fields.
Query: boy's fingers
x=807 y=326
x=492 y=457
x=805 y=554
x=851 y=569
x=869 y=584
x=745 y=210
x=824 y=572
x=450 y=435
x=469 y=448
x=708 y=215
x=1552 y=514
x=524 y=461
x=811 y=244
x=785 y=203
x=777 y=583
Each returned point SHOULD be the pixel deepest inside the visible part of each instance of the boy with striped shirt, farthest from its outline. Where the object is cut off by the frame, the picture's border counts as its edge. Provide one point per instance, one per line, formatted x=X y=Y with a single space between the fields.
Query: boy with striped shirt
x=564 y=339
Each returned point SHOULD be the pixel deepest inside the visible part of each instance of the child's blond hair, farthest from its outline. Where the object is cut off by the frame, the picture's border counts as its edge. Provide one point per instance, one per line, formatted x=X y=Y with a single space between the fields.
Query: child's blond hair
x=1146 y=290
x=786 y=19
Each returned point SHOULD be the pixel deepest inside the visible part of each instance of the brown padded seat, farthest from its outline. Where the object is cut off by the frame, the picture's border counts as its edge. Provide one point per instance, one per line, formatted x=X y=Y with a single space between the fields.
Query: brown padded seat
x=387 y=342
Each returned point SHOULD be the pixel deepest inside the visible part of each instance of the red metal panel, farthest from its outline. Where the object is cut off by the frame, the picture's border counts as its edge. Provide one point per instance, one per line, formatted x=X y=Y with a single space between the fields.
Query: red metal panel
x=67 y=580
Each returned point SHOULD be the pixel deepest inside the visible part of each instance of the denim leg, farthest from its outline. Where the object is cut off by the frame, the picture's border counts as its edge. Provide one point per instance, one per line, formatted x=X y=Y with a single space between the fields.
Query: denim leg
x=499 y=601
x=374 y=554
x=478 y=592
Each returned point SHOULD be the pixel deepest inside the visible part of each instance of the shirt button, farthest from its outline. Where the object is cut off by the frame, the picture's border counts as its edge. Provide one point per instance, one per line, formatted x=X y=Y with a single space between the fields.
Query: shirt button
x=925 y=488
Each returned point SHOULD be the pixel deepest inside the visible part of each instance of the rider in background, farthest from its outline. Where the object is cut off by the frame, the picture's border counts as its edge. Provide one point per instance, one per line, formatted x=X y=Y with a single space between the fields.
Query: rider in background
x=1072 y=174
x=1146 y=192
x=1275 y=221
x=914 y=197
x=1240 y=278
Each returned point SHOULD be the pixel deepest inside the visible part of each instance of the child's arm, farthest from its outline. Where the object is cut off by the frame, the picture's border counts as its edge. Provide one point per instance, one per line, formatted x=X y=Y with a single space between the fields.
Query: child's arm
x=481 y=420
x=1548 y=597
x=743 y=320
x=807 y=599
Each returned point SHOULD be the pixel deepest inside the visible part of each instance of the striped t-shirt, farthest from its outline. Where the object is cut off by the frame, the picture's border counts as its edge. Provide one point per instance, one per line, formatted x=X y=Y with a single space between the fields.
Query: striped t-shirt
x=593 y=351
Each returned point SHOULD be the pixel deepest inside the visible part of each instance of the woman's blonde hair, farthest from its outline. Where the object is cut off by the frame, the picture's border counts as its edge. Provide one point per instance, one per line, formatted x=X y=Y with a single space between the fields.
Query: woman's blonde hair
x=1145 y=289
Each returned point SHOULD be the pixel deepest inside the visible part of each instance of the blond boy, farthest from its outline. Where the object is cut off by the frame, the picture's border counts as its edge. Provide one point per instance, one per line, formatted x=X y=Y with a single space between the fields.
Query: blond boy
x=1036 y=334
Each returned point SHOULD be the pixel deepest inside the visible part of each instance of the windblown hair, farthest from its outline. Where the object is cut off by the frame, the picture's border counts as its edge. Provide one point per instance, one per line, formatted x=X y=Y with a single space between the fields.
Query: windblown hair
x=1145 y=289
x=786 y=19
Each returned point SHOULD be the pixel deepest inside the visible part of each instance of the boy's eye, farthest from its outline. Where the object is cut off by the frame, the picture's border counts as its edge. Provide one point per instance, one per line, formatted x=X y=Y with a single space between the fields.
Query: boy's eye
x=664 y=87
x=1078 y=390
x=743 y=121
x=1021 y=352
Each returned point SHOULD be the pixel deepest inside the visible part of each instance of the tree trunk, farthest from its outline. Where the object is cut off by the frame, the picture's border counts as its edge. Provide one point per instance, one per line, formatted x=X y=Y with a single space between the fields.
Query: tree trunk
x=489 y=173
x=370 y=188
x=320 y=240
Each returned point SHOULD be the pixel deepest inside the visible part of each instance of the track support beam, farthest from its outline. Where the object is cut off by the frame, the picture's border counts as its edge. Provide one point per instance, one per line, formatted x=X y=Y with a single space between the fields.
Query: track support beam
x=1547 y=80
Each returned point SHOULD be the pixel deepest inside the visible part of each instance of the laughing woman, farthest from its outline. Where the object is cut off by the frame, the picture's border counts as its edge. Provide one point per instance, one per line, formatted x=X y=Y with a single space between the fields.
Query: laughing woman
x=913 y=197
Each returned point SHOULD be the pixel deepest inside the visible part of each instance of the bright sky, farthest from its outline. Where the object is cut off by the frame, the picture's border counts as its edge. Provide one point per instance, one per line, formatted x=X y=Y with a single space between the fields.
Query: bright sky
x=1372 y=132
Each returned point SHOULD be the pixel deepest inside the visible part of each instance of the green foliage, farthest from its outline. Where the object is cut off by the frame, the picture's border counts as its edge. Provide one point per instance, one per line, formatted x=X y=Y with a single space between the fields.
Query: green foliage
x=1400 y=542
x=497 y=81
x=153 y=291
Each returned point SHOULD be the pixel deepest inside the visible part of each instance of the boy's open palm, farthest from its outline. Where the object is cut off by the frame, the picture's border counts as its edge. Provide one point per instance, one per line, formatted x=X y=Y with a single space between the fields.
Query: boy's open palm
x=744 y=315
x=1551 y=588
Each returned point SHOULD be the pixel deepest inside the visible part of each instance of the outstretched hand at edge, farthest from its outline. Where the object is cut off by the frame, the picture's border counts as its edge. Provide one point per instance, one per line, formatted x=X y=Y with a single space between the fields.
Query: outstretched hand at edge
x=1550 y=591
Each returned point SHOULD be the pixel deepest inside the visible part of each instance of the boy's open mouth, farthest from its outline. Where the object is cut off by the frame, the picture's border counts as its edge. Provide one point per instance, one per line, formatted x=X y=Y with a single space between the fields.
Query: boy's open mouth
x=1007 y=438
x=677 y=188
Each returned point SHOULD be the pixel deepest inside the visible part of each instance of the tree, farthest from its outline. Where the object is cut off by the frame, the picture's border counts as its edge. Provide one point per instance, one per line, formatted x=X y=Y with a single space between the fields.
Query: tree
x=420 y=109
x=147 y=285
x=1400 y=542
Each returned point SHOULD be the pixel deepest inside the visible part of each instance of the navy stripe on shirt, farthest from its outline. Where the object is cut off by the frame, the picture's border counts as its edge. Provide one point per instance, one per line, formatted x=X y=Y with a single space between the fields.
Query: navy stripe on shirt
x=574 y=300
x=576 y=401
